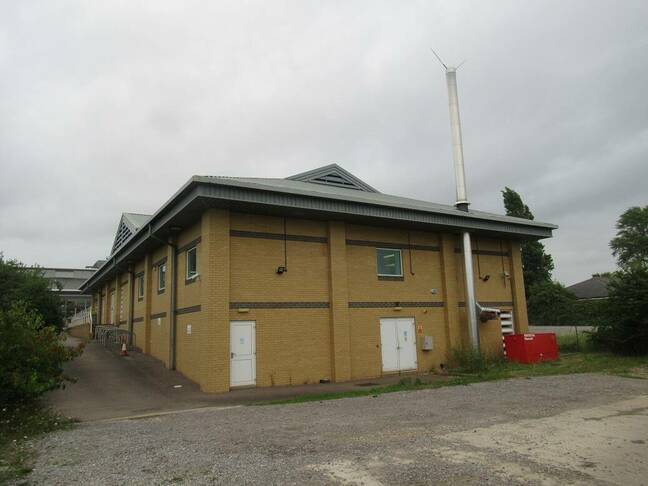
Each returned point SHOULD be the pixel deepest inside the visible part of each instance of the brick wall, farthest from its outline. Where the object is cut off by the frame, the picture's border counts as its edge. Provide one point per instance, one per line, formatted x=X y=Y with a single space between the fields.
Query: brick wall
x=321 y=318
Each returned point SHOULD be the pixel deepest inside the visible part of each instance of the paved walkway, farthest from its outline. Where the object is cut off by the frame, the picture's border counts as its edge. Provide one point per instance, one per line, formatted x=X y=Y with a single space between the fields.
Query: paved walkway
x=110 y=386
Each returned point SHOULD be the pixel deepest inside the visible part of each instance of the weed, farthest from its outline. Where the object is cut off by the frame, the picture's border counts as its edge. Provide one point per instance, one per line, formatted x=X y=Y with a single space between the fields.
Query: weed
x=490 y=369
x=19 y=423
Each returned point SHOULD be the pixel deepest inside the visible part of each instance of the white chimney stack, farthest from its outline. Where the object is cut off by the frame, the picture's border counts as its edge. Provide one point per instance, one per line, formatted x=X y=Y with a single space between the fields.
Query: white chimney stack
x=462 y=202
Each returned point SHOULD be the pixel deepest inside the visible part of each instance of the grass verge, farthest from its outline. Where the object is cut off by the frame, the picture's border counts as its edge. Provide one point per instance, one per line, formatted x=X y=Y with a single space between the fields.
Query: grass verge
x=18 y=424
x=569 y=363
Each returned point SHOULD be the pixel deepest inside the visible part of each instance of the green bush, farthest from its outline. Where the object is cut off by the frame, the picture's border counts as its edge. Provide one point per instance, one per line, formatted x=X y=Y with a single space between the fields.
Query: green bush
x=31 y=355
x=19 y=283
x=625 y=328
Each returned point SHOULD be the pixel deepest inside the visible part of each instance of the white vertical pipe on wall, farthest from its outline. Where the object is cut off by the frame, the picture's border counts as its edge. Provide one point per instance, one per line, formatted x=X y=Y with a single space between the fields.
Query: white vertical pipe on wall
x=462 y=203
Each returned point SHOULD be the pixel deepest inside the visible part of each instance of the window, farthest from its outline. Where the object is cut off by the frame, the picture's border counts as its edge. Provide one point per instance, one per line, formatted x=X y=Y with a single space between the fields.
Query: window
x=161 y=276
x=140 y=287
x=192 y=263
x=389 y=262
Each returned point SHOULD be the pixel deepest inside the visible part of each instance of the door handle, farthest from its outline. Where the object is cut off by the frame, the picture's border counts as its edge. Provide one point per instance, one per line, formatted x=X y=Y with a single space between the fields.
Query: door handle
x=231 y=355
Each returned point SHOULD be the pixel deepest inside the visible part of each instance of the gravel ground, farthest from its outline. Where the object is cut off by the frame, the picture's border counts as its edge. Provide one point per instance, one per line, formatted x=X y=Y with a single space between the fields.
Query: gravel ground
x=487 y=433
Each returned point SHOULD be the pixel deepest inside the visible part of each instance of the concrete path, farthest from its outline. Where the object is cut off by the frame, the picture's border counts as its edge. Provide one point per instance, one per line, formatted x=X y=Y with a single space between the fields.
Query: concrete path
x=573 y=429
x=110 y=386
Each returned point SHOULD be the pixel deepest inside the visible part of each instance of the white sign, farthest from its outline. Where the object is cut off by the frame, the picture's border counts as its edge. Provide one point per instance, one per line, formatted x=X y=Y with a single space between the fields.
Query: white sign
x=189 y=329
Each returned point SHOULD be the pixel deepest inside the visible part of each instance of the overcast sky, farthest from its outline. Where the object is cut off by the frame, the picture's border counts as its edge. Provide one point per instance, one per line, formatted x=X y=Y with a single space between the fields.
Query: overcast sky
x=108 y=107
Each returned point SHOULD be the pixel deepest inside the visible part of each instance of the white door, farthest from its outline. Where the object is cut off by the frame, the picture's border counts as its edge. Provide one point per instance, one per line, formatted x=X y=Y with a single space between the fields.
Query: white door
x=406 y=344
x=242 y=353
x=398 y=344
x=389 y=344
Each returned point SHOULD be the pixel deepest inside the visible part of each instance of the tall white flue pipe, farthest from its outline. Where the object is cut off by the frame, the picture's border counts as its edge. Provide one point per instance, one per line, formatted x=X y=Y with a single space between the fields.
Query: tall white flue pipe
x=462 y=203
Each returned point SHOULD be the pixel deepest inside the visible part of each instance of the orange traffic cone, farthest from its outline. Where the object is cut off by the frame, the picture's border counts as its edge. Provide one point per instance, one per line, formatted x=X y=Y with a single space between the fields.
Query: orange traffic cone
x=124 y=352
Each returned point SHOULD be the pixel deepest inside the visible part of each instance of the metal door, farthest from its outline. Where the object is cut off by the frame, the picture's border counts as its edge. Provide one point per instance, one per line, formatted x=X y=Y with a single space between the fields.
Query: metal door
x=388 y=345
x=398 y=344
x=406 y=344
x=242 y=353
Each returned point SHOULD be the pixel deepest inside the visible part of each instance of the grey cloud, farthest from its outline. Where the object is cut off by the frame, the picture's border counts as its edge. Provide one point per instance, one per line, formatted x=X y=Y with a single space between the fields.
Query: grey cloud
x=110 y=107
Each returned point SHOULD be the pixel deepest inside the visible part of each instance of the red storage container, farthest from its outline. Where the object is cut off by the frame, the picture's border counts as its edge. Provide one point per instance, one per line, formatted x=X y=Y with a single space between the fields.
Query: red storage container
x=531 y=348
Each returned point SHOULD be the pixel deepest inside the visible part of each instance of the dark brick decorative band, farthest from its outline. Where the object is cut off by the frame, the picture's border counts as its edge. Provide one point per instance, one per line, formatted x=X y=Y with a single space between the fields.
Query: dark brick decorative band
x=279 y=305
x=122 y=322
x=138 y=319
x=486 y=252
x=490 y=304
x=189 y=245
x=390 y=279
x=188 y=310
x=278 y=236
x=384 y=244
x=160 y=262
x=158 y=315
x=382 y=305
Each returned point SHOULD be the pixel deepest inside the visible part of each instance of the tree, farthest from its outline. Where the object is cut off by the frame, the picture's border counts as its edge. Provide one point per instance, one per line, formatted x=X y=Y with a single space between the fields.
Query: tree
x=21 y=284
x=537 y=265
x=630 y=246
x=625 y=329
x=31 y=355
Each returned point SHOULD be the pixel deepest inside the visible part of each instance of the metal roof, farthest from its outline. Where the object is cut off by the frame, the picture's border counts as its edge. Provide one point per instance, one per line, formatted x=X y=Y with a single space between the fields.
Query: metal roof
x=129 y=223
x=288 y=186
x=324 y=199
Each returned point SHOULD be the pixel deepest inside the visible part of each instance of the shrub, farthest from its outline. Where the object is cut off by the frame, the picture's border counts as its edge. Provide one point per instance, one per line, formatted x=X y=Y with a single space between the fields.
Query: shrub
x=19 y=283
x=31 y=355
x=625 y=328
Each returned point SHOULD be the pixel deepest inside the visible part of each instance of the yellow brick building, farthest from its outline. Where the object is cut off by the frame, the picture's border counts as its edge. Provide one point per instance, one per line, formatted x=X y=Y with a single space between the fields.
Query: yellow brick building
x=263 y=282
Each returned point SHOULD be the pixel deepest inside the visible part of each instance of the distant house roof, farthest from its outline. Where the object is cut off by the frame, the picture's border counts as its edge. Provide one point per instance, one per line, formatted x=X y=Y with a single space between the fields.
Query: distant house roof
x=328 y=192
x=592 y=288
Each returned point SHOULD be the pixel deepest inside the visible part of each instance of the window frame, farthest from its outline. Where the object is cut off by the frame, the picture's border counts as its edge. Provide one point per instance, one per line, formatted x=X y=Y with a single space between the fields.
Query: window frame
x=141 y=290
x=191 y=278
x=161 y=268
x=400 y=257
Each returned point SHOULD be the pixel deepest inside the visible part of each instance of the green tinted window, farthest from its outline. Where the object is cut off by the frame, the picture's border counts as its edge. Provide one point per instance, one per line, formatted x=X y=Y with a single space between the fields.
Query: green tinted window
x=389 y=262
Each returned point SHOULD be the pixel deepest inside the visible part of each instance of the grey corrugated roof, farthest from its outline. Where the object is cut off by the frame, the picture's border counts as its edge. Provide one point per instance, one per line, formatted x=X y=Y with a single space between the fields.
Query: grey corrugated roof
x=592 y=288
x=375 y=198
x=128 y=225
x=136 y=220
x=310 y=198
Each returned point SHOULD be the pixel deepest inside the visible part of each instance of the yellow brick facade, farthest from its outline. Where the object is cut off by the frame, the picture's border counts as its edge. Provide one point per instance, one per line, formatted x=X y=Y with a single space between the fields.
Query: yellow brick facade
x=320 y=319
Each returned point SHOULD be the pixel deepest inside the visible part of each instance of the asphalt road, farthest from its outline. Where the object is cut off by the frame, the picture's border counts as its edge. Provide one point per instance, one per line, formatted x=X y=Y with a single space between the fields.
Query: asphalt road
x=572 y=429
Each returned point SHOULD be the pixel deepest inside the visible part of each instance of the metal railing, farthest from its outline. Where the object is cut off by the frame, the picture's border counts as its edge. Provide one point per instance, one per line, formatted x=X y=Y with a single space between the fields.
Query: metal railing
x=111 y=336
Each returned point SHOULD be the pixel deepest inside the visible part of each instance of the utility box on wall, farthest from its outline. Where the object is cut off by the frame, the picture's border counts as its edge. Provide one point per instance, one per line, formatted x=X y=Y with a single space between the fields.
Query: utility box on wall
x=428 y=343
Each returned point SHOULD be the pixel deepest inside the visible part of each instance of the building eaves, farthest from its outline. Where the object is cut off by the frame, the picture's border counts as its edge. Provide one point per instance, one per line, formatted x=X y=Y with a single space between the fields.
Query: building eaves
x=312 y=199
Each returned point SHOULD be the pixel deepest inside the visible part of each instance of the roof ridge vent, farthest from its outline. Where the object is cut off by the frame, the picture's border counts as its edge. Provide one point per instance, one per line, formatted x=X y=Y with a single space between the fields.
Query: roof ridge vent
x=333 y=175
